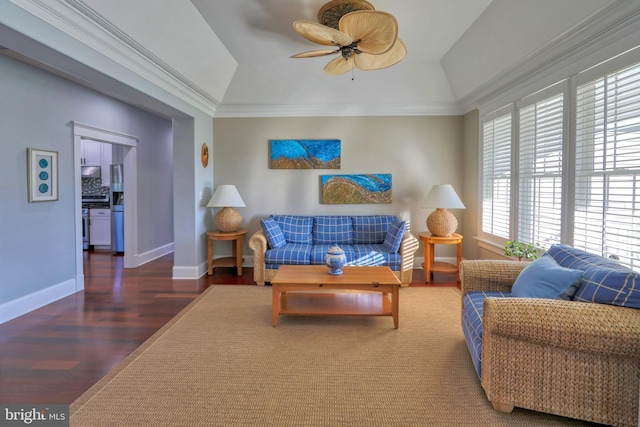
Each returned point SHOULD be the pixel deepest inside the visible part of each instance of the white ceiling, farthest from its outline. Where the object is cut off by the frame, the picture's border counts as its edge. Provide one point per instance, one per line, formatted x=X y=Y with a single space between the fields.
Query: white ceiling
x=237 y=52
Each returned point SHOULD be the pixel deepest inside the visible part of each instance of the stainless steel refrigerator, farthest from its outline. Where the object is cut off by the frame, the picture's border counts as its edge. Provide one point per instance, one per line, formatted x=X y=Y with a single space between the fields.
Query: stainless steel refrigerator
x=117 y=209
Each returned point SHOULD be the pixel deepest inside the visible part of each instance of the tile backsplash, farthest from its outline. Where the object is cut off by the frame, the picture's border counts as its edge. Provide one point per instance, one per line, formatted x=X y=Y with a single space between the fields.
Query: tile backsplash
x=93 y=186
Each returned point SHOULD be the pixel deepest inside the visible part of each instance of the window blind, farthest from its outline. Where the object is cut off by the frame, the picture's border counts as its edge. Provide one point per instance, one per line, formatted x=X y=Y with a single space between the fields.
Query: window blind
x=607 y=194
x=540 y=171
x=496 y=176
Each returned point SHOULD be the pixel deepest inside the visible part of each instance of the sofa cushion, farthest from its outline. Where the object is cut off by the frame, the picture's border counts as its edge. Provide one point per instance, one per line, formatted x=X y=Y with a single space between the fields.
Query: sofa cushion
x=472 y=305
x=332 y=230
x=296 y=228
x=545 y=278
x=375 y=255
x=395 y=233
x=603 y=281
x=368 y=229
x=273 y=232
x=318 y=253
x=291 y=253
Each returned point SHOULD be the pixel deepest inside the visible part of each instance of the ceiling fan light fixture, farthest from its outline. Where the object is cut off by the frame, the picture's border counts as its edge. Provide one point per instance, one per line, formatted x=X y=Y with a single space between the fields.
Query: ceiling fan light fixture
x=361 y=30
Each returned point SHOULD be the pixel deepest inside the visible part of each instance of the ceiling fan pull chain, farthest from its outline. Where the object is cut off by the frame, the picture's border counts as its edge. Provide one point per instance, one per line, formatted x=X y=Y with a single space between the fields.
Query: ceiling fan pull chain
x=352 y=74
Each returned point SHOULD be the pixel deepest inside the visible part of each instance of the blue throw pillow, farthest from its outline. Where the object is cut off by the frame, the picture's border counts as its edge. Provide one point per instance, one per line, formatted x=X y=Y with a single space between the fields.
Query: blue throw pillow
x=604 y=281
x=544 y=278
x=370 y=229
x=296 y=228
x=395 y=233
x=273 y=232
x=332 y=230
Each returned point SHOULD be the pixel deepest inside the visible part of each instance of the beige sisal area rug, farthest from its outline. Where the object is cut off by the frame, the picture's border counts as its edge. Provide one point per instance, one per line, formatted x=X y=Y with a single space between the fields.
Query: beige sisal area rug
x=221 y=363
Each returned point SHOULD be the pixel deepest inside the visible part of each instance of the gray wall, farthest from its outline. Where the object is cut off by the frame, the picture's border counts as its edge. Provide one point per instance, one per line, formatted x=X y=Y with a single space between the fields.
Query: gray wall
x=418 y=151
x=37 y=250
x=471 y=188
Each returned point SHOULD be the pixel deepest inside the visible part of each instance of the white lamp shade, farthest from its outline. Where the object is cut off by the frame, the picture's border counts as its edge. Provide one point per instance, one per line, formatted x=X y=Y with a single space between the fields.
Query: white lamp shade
x=442 y=196
x=226 y=196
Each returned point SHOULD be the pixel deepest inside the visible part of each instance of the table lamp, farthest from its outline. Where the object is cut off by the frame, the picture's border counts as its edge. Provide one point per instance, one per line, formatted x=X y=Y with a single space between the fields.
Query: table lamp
x=441 y=222
x=227 y=197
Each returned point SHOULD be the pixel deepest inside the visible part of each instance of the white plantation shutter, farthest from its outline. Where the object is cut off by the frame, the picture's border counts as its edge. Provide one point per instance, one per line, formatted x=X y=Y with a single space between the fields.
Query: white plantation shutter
x=496 y=176
x=540 y=171
x=607 y=199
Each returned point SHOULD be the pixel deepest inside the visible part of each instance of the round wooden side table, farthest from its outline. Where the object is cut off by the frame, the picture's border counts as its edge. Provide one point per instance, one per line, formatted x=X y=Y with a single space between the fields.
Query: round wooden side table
x=232 y=261
x=429 y=265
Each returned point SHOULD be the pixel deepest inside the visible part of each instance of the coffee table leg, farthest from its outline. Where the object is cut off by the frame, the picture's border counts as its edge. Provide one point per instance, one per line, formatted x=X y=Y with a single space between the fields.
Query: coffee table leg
x=275 y=305
x=395 y=306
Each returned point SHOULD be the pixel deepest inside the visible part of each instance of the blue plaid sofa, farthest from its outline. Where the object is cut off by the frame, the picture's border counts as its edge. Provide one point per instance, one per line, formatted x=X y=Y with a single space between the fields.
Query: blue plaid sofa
x=376 y=240
x=559 y=335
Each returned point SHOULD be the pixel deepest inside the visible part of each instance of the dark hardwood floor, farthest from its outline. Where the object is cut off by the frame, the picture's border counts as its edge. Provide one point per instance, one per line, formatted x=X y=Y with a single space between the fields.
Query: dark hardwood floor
x=54 y=354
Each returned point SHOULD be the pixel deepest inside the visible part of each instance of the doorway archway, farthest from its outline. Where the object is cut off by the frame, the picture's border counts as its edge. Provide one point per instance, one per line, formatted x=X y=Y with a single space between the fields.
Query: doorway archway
x=129 y=143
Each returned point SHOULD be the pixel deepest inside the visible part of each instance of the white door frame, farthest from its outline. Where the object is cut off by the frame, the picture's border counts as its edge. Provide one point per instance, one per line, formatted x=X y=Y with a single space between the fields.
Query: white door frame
x=129 y=142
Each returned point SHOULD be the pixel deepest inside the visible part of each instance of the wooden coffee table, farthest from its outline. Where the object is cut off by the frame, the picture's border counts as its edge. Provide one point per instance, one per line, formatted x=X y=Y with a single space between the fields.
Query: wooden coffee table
x=378 y=281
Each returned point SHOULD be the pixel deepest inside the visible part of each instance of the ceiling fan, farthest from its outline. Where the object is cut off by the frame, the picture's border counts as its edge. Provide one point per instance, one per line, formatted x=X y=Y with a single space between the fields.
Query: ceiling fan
x=364 y=37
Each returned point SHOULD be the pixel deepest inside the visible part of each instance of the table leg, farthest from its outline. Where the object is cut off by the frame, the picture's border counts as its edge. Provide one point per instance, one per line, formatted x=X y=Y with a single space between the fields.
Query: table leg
x=395 y=306
x=459 y=258
x=275 y=304
x=210 y=257
x=237 y=253
x=429 y=258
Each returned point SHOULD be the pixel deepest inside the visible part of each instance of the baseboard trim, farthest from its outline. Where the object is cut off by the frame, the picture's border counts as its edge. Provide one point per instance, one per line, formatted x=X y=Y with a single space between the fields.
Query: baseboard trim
x=25 y=304
x=189 y=272
x=156 y=253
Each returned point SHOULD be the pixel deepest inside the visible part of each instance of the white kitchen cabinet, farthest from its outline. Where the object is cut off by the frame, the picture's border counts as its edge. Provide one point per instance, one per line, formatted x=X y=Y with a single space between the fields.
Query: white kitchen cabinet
x=91 y=153
x=96 y=153
x=100 y=227
x=107 y=150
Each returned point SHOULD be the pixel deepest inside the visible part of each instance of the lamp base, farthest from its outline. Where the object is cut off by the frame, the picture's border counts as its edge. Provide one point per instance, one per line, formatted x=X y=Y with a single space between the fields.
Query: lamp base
x=442 y=223
x=227 y=220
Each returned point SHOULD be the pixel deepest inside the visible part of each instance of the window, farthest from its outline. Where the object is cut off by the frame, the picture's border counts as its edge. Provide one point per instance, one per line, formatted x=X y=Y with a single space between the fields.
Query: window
x=575 y=173
x=496 y=176
x=607 y=199
x=540 y=171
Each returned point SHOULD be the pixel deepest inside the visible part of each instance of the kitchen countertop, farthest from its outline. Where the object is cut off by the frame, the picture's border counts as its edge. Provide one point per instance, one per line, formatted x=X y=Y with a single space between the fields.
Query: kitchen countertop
x=96 y=205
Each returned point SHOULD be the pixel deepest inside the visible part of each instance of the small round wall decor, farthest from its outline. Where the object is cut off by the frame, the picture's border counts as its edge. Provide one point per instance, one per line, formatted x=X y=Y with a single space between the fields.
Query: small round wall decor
x=205 y=155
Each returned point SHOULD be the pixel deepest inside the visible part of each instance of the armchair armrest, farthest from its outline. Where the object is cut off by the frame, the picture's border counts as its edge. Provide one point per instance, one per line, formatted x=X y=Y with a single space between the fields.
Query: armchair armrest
x=258 y=242
x=489 y=275
x=408 y=248
x=586 y=327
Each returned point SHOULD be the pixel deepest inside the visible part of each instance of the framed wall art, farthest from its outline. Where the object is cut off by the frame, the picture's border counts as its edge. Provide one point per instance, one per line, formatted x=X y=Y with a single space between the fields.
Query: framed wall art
x=354 y=189
x=42 y=175
x=304 y=154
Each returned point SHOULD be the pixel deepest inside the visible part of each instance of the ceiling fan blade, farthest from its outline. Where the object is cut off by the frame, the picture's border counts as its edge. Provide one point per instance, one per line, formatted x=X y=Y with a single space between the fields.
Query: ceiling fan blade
x=368 y=62
x=339 y=66
x=376 y=31
x=314 y=53
x=321 y=34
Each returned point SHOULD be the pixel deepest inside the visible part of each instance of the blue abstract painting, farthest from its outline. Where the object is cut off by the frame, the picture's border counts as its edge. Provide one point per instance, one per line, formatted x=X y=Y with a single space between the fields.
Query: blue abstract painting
x=352 y=189
x=305 y=154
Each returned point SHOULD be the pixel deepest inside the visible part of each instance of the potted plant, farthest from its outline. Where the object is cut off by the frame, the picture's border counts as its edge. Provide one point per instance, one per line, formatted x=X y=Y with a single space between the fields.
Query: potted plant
x=522 y=250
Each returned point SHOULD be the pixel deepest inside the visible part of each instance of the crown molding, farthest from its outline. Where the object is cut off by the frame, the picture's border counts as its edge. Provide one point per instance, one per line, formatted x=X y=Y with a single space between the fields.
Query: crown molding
x=609 y=25
x=79 y=21
x=351 y=110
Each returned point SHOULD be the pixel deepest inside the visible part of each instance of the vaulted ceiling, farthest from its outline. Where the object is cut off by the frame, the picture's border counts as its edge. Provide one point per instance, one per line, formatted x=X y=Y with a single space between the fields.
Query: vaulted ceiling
x=236 y=53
